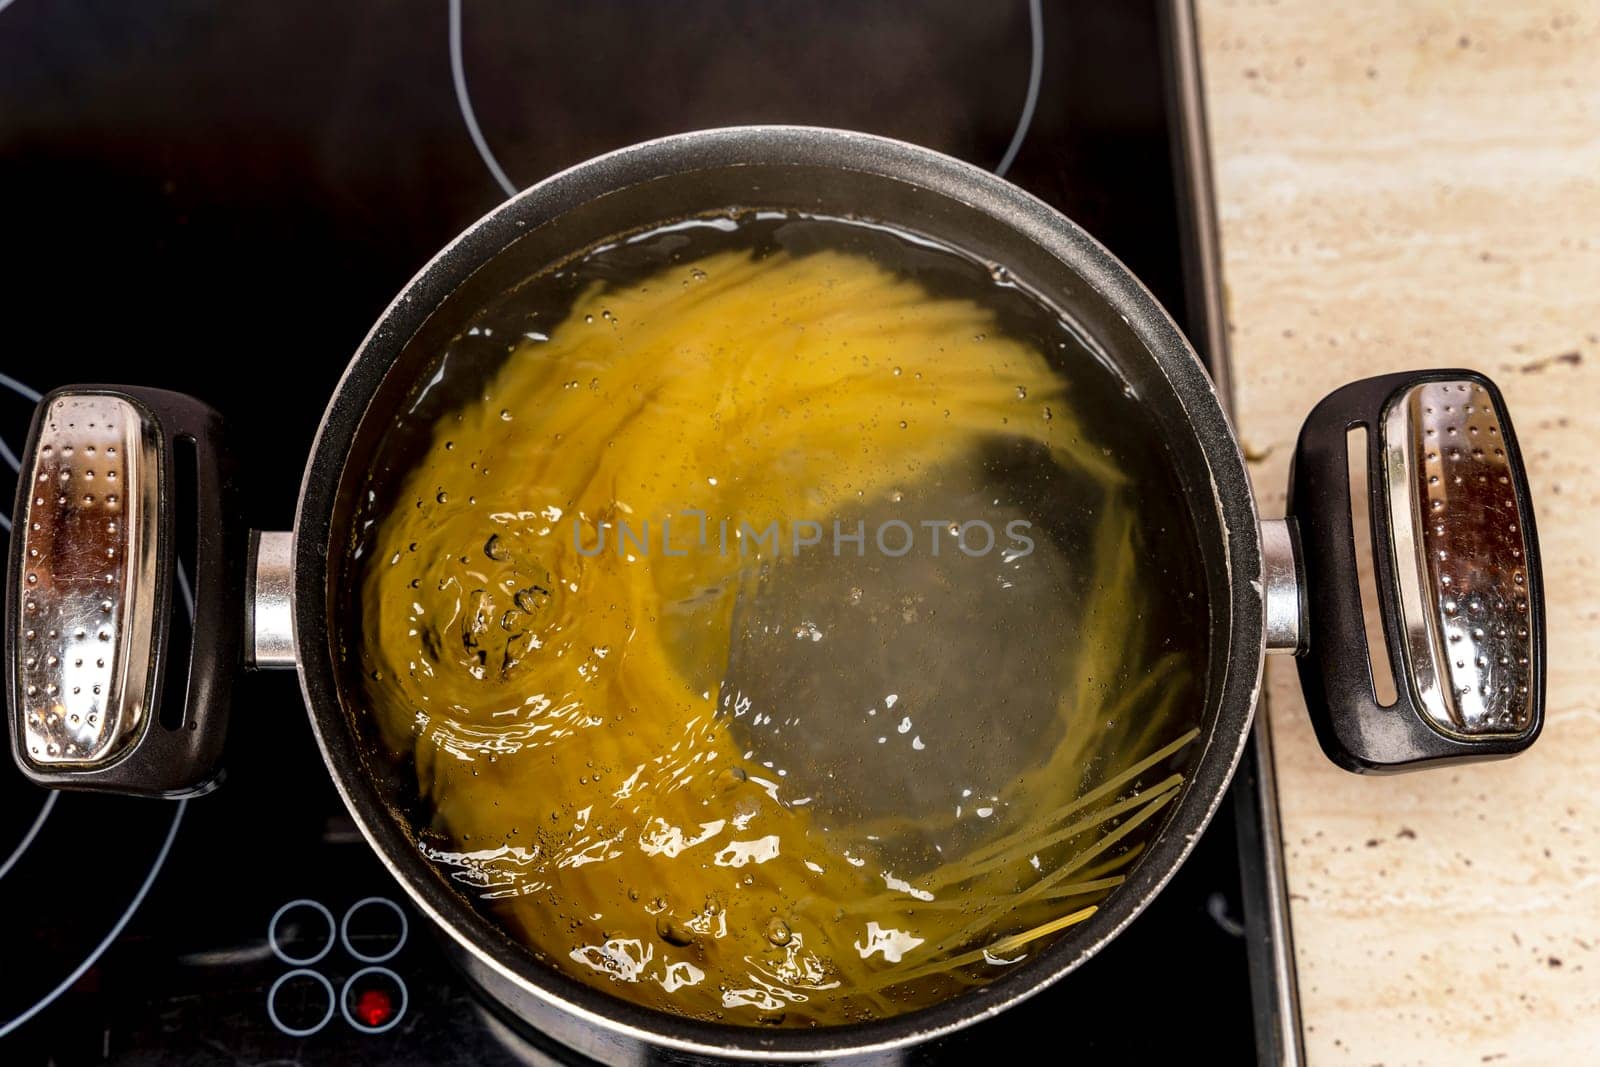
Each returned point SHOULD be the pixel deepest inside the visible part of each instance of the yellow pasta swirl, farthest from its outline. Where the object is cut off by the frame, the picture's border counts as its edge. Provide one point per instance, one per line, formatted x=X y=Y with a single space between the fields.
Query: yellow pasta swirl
x=559 y=691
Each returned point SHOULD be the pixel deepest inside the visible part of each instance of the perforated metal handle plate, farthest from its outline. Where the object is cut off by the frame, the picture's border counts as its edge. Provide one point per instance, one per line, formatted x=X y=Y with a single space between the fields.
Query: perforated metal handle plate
x=88 y=582
x=1462 y=559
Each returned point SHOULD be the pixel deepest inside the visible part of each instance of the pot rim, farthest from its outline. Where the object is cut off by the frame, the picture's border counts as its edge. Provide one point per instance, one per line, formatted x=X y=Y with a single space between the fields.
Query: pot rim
x=1035 y=221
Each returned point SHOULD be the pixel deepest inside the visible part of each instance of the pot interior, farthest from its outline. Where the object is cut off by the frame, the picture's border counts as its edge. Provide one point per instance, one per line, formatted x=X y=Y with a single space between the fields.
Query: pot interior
x=406 y=378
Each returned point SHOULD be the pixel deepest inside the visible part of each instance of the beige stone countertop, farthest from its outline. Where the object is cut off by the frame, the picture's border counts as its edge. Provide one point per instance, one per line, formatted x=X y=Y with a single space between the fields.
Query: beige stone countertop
x=1407 y=185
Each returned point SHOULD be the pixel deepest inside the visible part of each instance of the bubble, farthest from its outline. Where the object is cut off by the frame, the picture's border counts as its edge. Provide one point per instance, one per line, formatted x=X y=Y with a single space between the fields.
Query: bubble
x=672 y=931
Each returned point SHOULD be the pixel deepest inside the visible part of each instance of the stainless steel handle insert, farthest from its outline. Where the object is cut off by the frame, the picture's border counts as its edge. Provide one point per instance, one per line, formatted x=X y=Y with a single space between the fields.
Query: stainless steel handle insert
x=87 y=594
x=270 y=633
x=1461 y=559
x=1280 y=580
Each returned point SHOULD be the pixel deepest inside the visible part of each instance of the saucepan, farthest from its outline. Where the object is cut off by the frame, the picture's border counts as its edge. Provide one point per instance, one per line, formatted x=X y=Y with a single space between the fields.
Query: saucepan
x=105 y=695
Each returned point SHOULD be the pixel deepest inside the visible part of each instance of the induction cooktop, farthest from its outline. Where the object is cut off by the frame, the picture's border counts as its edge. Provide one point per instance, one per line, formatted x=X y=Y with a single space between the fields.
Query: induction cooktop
x=220 y=199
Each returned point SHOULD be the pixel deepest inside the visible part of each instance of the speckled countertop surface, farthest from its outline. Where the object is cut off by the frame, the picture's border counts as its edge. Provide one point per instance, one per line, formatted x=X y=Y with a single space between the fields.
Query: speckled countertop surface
x=1410 y=185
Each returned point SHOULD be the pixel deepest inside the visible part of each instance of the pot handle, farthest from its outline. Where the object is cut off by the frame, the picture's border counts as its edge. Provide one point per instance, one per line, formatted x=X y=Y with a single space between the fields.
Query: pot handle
x=101 y=696
x=1456 y=568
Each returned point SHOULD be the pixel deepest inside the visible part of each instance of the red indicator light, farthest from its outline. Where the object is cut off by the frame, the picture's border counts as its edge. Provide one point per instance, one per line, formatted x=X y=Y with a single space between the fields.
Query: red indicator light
x=373 y=1007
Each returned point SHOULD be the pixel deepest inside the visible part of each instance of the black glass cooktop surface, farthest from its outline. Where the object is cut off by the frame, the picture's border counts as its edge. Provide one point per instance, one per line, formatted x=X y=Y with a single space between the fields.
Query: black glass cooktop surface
x=221 y=198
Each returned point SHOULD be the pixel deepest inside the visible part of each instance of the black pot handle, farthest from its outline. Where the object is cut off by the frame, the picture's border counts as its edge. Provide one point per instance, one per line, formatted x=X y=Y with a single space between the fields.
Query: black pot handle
x=95 y=580
x=1456 y=564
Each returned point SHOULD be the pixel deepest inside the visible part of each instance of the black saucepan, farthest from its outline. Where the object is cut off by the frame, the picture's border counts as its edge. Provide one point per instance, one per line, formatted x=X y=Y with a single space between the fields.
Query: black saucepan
x=93 y=569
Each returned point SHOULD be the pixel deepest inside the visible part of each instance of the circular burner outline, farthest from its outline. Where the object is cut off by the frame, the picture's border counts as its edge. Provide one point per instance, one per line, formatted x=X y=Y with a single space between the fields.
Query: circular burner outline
x=272 y=999
x=400 y=942
x=33 y=831
x=32 y=395
x=399 y=1013
x=99 y=950
x=458 y=75
x=1035 y=78
x=11 y=460
x=272 y=932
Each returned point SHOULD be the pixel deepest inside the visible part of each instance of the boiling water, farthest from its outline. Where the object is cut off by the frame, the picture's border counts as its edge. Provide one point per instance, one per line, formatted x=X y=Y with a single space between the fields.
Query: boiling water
x=755 y=676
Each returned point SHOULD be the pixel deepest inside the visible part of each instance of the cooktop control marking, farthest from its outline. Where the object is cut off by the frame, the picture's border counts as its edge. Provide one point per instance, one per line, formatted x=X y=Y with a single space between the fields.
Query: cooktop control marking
x=379 y=930
x=374 y=1000
x=283 y=987
x=277 y=941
